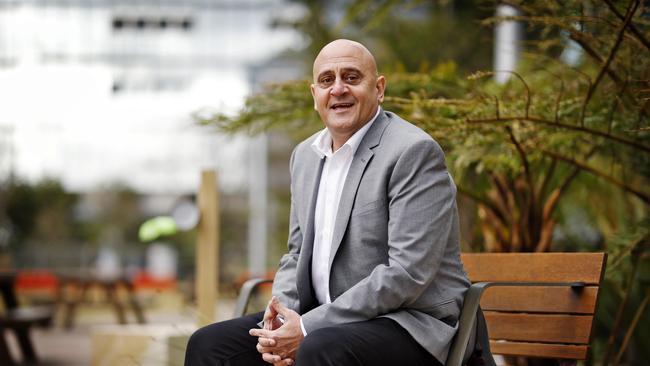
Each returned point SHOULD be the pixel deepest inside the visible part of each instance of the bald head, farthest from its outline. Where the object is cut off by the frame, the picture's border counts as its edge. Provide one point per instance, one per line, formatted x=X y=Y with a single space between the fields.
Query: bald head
x=347 y=90
x=345 y=49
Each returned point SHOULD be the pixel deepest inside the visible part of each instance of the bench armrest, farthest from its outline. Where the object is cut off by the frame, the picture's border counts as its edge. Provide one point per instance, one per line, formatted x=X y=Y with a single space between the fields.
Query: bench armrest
x=467 y=320
x=245 y=294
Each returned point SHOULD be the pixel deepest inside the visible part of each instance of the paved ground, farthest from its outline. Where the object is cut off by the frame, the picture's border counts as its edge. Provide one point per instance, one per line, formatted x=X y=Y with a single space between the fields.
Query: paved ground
x=57 y=346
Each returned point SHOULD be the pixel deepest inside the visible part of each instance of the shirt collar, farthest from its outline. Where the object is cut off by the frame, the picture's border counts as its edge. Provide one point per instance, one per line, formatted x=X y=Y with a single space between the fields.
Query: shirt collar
x=322 y=145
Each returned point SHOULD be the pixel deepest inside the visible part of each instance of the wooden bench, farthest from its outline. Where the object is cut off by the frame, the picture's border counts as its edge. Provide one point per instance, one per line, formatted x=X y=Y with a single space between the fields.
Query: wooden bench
x=19 y=319
x=535 y=304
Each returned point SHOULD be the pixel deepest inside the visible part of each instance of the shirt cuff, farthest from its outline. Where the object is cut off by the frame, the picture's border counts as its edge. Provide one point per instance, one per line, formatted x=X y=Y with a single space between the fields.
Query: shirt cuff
x=302 y=327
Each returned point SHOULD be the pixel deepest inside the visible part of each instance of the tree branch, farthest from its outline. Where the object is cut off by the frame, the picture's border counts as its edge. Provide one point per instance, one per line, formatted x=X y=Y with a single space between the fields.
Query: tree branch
x=631 y=26
x=525 y=86
x=554 y=197
x=634 y=4
x=558 y=100
x=483 y=201
x=503 y=193
x=577 y=37
x=615 y=103
x=547 y=179
x=522 y=156
x=641 y=195
x=621 y=140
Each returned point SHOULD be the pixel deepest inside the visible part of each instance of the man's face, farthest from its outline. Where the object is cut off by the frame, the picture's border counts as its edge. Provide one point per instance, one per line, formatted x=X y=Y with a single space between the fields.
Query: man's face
x=346 y=88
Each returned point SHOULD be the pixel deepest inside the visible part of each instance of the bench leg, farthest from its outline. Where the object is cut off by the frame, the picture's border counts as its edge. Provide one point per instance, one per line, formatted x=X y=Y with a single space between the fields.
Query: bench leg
x=69 y=310
x=135 y=304
x=137 y=309
x=26 y=345
x=111 y=294
x=5 y=356
x=70 y=303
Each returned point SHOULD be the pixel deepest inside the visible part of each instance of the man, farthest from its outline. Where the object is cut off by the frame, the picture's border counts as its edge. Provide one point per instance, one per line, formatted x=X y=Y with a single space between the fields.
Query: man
x=373 y=273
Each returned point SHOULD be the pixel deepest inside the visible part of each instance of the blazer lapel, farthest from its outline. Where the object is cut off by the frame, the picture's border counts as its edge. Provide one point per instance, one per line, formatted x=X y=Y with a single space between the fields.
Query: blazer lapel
x=359 y=162
x=303 y=281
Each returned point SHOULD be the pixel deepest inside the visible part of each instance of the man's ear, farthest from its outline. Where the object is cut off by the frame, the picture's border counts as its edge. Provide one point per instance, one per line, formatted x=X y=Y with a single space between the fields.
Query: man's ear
x=381 y=88
x=312 y=88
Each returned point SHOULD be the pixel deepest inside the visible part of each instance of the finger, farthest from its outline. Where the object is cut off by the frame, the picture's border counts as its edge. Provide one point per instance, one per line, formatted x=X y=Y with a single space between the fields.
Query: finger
x=279 y=307
x=256 y=332
x=286 y=362
x=274 y=300
x=261 y=349
x=270 y=314
x=271 y=358
x=266 y=342
x=269 y=306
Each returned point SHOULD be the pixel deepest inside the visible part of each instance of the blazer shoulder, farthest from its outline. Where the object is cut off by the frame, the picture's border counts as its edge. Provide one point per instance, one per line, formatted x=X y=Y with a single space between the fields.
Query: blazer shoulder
x=306 y=143
x=303 y=149
x=400 y=132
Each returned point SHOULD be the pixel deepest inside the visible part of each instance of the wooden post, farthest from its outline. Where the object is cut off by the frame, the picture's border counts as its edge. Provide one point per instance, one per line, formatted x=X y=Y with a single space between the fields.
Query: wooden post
x=207 y=249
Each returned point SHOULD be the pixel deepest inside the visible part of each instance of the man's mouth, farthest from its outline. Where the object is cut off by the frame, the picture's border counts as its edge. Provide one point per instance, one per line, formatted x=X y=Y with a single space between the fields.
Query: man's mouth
x=341 y=106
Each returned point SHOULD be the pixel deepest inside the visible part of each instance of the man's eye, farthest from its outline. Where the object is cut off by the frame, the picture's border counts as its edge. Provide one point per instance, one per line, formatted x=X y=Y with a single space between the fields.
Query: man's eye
x=352 y=78
x=326 y=80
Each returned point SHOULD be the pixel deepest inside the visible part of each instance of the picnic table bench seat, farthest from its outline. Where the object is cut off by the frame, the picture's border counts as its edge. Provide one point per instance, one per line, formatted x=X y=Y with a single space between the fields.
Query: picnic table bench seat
x=19 y=320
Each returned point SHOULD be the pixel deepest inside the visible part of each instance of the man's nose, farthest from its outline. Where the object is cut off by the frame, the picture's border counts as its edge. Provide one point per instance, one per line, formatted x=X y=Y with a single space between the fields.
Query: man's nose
x=338 y=88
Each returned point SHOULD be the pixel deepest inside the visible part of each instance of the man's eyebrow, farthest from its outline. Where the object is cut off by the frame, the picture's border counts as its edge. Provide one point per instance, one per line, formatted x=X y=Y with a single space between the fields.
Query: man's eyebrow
x=352 y=69
x=343 y=70
x=325 y=73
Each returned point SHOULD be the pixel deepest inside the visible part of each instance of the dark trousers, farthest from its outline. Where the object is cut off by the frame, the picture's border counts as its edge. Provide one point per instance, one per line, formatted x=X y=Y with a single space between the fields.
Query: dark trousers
x=375 y=342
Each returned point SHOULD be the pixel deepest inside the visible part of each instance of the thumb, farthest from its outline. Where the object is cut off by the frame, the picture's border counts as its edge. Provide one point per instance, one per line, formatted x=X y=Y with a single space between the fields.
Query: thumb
x=279 y=307
x=270 y=305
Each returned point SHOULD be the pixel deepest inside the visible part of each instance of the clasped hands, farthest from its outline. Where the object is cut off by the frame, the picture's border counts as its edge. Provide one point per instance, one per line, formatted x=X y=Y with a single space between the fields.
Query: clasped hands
x=281 y=335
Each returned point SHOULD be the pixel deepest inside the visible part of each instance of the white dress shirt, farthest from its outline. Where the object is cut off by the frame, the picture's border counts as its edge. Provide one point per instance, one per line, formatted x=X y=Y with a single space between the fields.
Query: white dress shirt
x=335 y=171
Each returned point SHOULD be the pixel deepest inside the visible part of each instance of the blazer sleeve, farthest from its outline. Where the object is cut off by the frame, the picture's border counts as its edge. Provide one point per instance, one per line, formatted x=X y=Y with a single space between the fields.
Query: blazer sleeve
x=284 y=283
x=422 y=208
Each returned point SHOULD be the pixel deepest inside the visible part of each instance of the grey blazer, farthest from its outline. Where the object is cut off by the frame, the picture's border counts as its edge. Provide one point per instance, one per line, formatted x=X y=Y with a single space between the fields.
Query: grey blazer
x=395 y=250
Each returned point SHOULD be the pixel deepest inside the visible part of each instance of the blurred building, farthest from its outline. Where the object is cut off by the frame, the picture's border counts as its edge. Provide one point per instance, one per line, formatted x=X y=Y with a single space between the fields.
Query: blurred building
x=100 y=94
x=96 y=92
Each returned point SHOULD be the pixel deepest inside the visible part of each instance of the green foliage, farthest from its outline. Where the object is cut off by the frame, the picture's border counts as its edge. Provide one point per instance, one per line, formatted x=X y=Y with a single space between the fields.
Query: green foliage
x=556 y=158
x=405 y=35
x=40 y=211
x=551 y=125
x=285 y=107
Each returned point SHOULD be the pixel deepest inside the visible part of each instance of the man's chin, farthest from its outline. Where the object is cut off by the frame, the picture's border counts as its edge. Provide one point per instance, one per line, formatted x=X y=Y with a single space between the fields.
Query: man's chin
x=340 y=123
x=342 y=119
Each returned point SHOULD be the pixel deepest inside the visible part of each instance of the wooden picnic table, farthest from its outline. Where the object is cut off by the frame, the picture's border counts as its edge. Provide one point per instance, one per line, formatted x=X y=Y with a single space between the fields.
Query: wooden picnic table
x=74 y=290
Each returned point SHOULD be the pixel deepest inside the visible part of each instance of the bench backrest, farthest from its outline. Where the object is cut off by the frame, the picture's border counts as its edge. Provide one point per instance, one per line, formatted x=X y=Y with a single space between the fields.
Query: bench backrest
x=539 y=321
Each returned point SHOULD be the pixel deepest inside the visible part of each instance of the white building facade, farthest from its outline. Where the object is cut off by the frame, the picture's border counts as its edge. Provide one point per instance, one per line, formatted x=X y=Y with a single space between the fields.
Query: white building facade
x=97 y=92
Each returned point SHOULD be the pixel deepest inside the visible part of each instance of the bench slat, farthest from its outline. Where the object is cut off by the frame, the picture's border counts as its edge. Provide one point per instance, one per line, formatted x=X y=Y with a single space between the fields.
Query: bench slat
x=534 y=267
x=563 y=351
x=540 y=299
x=539 y=327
